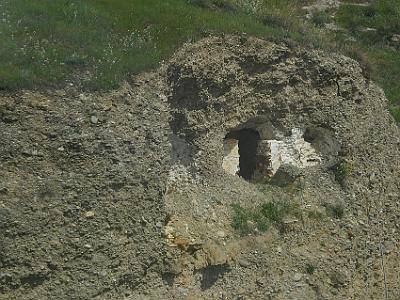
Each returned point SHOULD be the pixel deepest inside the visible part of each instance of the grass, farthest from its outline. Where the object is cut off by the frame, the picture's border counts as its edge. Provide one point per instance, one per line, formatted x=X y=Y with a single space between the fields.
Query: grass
x=383 y=55
x=342 y=170
x=96 y=44
x=48 y=42
x=335 y=210
x=249 y=220
x=310 y=268
x=382 y=15
x=315 y=215
x=321 y=18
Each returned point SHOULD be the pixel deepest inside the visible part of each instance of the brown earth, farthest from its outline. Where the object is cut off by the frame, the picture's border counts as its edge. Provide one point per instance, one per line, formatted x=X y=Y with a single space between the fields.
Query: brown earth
x=121 y=195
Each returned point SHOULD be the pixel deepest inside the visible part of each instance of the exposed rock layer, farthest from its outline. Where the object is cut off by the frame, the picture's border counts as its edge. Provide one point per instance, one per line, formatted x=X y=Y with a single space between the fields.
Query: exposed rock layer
x=89 y=181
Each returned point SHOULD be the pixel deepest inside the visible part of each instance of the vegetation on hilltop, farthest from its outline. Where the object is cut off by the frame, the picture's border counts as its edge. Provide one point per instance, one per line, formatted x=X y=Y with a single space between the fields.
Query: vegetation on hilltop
x=373 y=28
x=97 y=43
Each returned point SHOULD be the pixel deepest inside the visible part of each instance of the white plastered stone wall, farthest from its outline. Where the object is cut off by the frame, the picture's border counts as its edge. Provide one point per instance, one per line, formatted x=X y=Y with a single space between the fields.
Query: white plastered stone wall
x=230 y=162
x=271 y=154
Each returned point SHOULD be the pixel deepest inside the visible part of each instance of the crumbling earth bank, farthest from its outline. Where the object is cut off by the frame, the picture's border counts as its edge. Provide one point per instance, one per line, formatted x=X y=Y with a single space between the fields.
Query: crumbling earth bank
x=122 y=195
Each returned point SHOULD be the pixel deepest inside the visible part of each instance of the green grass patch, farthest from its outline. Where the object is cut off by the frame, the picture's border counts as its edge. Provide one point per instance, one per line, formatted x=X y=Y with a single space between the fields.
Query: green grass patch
x=310 y=268
x=373 y=27
x=335 y=210
x=382 y=15
x=98 y=43
x=321 y=18
x=316 y=215
x=251 y=220
x=342 y=170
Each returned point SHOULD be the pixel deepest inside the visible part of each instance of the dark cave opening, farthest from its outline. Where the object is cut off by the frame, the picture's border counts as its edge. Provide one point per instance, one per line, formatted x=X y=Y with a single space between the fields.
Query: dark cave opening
x=248 y=142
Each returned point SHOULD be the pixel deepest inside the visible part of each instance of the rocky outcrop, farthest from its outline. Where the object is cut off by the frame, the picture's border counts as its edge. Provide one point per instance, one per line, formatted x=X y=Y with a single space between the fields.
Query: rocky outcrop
x=123 y=195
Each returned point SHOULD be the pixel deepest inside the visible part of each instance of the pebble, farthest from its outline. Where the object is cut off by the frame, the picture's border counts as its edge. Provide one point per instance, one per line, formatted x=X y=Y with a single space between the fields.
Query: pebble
x=261 y=281
x=89 y=214
x=244 y=263
x=182 y=290
x=221 y=234
x=158 y=225
x=94 y=119
x=52 y=135
x=297 y=277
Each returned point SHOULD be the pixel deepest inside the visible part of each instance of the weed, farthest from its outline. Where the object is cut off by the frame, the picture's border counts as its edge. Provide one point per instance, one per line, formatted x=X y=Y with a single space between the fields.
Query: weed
x=343 y=170
x=335 y=210
x=320 y=18
x=395 y=112
x=248 y=220
x=215 y=4
x=315 y=215
x=310 y=268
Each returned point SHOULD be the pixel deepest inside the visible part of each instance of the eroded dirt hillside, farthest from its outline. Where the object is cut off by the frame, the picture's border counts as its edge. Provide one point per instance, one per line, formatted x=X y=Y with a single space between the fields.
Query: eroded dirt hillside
x=122 y=195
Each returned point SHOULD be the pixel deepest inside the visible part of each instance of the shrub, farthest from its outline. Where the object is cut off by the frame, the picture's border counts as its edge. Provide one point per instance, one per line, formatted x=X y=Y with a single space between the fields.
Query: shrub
x=320 y=18
x=316 y=215
x=342 y=170
x=310 y=268
x=395 y=112
x=335 y=210
x=248 y=220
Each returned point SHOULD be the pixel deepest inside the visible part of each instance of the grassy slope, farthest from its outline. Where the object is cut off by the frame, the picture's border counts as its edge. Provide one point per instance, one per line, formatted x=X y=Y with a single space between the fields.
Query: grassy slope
x=383 y=55
x=44 y=42
x=98 y=43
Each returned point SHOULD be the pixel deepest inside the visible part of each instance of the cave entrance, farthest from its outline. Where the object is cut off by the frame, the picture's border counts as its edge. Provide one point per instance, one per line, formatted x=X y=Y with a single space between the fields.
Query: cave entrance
x=240 y=148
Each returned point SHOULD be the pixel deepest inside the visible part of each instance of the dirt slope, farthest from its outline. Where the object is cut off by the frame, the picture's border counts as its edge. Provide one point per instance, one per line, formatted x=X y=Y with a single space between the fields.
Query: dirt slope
x=121 y=195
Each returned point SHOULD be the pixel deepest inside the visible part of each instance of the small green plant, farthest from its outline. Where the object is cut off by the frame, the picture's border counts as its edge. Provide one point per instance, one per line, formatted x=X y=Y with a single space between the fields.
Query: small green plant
x=343 y=170
x=248 y=220
x=316 y=215
x=335 y=210
x=214 y=4
x=395 y=112
x=310 y=268
x=320 y=18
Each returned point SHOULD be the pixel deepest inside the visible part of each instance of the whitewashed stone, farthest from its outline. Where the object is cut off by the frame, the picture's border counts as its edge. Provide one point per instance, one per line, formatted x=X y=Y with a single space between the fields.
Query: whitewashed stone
x=230 y=162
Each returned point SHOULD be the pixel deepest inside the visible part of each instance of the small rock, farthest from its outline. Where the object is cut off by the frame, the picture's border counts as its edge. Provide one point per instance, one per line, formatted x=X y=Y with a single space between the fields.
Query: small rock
x=221 y=234
x=94 y=119
x=261 y=281
x=244 y=263
x=368 y=29
x=3 y=190
x=52 y=135
x=182 y=290
x=297 y=277
x=88 y=246
x=89 y=214
x=159 y=225
x=60 y=148
x=395 y=38
x=5 y=275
